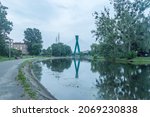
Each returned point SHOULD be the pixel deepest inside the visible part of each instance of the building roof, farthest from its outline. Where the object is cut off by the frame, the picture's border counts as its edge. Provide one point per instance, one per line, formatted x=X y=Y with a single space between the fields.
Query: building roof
x=18 y=43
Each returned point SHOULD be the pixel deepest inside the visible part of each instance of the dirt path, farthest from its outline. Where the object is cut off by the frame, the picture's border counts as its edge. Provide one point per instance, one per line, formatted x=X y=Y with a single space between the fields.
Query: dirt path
x=9 y=86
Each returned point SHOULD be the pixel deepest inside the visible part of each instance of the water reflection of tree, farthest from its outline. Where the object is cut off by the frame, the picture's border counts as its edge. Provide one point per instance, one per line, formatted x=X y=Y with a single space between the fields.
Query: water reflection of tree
x=37 y=69
x=122 y=81
x=58 y=65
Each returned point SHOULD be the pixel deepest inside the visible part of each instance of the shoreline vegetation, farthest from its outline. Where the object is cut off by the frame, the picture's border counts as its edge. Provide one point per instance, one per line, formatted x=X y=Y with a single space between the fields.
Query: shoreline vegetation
x=32 y=87
x=34 y=90
x=134 y=61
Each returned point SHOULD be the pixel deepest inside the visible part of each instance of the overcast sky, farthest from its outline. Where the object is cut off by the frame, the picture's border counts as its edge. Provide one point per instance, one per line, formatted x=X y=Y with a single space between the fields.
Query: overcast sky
x=68 y=17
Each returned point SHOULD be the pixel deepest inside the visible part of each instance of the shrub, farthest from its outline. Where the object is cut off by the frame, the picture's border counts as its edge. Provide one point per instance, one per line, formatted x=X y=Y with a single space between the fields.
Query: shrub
x=131 y=54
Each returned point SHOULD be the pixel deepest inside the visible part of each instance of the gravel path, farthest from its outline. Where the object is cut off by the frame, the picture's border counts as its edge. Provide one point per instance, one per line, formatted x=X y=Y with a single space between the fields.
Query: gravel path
x=9 y=86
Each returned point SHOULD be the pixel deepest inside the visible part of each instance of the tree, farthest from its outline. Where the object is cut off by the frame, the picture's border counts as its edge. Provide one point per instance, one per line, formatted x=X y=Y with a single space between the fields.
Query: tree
x=95 y=49
x=127 y=32
x=5 y=29
x=15 y=52
x=60 y=49
x=47 y=52
x=33 y=40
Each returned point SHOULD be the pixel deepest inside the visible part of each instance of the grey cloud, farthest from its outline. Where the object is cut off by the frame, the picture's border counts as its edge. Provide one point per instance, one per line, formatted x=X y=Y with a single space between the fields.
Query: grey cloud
x=69 y=17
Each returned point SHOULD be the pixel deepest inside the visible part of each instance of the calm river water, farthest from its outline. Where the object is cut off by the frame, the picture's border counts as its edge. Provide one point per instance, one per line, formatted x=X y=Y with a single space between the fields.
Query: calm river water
x=69 y=79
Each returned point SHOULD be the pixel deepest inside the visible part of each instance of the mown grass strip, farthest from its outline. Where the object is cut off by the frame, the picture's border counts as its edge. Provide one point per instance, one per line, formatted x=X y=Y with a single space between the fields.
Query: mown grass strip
x=5 y=58
x=27 y=88
x=135 y=61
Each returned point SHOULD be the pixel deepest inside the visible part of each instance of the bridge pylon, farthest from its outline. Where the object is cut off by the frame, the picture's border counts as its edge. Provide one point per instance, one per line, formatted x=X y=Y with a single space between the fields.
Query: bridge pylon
x=77 y=45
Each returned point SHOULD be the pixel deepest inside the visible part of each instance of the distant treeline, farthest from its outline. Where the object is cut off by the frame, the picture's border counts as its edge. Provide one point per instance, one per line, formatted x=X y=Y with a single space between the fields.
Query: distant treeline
x=58 y=49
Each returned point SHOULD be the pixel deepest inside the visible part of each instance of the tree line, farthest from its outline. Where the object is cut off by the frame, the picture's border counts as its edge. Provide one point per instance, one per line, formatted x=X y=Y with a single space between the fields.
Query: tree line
x=57 y=49
x=126 y=33
x=32 y=38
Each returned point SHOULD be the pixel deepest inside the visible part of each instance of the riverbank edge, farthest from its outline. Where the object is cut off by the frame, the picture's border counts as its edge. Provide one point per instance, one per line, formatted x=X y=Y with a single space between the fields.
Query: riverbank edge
x=32 y=87
x=134 y=61
x=39 y=92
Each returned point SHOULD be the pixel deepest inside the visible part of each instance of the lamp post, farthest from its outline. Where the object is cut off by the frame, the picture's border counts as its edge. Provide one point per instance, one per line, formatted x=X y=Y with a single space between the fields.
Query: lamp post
x=9 y=46
x=10 y=40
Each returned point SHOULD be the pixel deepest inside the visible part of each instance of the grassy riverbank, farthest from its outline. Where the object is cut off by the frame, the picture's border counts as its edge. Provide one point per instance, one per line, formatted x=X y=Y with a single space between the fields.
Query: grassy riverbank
x=136 y=61
x=26 y=85
x=141 y=60
x=3 y=58
x=32 y=87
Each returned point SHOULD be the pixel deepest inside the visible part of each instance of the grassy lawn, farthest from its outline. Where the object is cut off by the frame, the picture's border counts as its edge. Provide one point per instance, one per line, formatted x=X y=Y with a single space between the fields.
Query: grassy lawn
x=5 y=58
x=141 y=60
x=2 y=58
x=136 y=61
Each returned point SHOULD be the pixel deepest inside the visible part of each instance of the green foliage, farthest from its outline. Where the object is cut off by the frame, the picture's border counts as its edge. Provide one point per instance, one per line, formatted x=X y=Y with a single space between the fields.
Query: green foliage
x=33 y=40
x=15 y=52
x=47 y=52
x=125 y=32
x=95 y=49
x=131 y=55
x=60 y=49
x=95 y=57
x=5 y=29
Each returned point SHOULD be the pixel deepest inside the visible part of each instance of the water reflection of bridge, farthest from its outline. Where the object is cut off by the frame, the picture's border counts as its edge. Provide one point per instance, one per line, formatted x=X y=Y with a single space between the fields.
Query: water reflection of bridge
x=77 y=66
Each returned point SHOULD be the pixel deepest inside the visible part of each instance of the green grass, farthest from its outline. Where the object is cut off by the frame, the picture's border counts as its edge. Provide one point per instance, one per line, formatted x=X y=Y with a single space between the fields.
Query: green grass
x=141 y=60
x=136 y=61
x=2 y=58
x=98 y=58
x=101 y=58
x=27 y=88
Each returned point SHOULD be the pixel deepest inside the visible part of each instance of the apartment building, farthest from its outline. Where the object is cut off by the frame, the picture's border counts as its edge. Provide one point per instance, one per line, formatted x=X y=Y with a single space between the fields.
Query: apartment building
x=21 y=46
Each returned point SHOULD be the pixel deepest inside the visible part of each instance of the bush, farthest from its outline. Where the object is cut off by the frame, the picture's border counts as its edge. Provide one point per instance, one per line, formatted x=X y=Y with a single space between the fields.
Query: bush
x=95 y=57
x=16 y=53
x=131 y=55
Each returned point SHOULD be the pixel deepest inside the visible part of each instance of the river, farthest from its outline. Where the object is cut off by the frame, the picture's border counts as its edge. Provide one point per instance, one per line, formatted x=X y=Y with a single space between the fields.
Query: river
x=70 y=79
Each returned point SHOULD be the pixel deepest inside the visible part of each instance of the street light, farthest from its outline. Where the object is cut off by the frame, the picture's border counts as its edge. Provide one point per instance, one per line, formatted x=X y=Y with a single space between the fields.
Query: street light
x=10 y=41
x=9 y=45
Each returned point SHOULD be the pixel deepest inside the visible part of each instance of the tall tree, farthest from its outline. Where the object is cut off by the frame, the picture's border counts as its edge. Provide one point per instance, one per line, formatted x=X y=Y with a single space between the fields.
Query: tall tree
x=5 y=29
x=33 y=40
x=125 y=33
